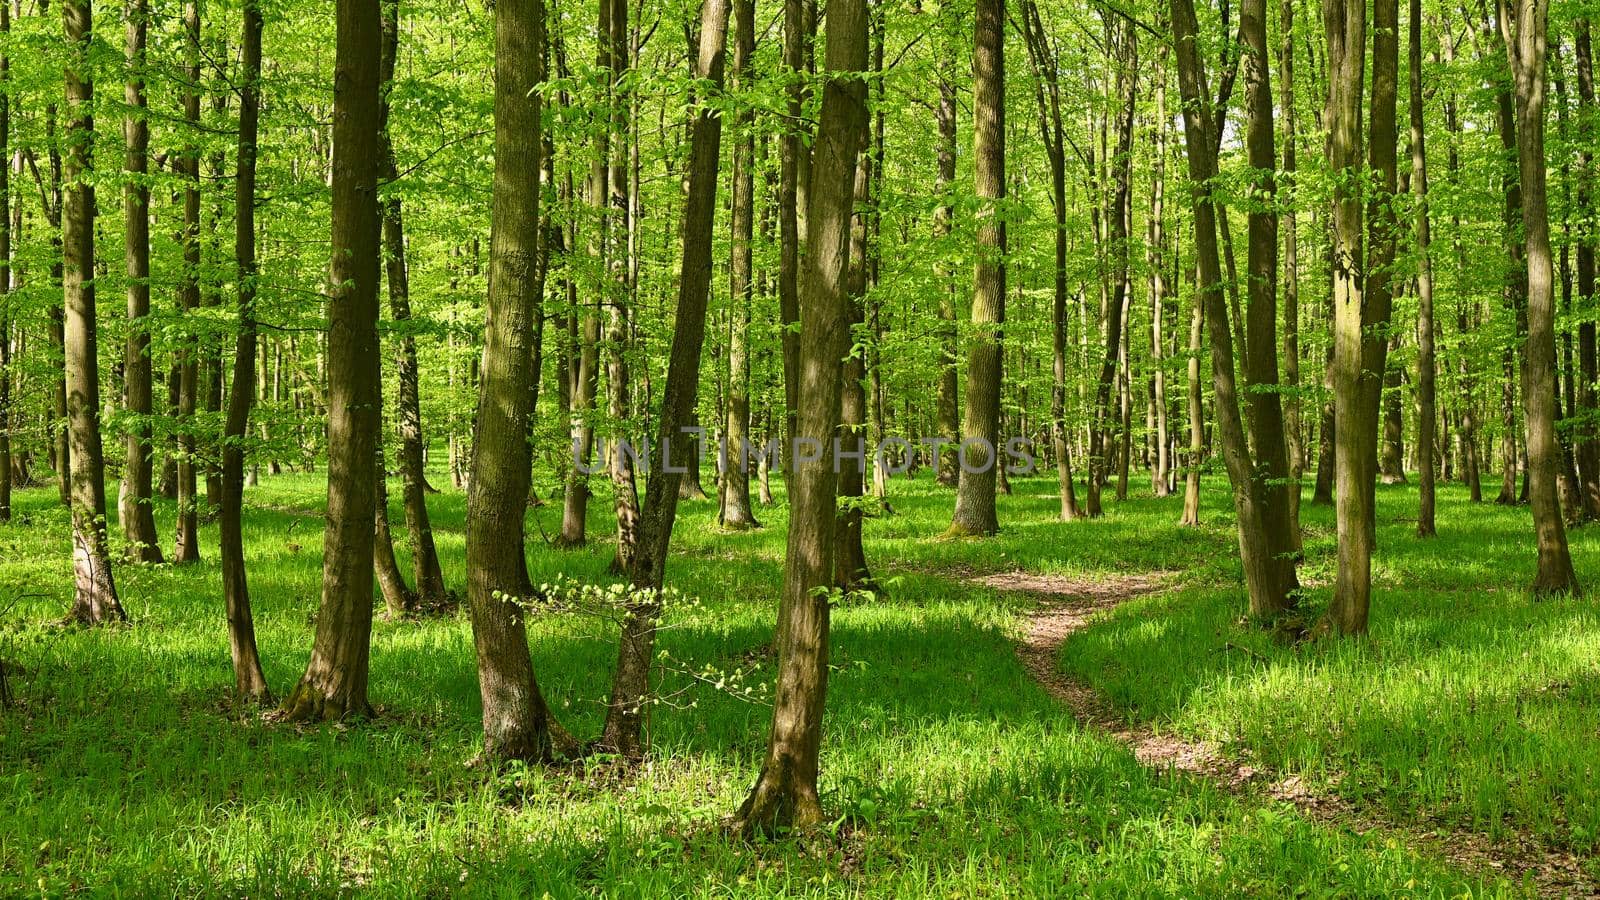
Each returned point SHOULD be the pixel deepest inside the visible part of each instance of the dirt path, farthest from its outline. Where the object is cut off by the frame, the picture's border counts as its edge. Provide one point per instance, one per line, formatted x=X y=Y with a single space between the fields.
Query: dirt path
x=1066 y=605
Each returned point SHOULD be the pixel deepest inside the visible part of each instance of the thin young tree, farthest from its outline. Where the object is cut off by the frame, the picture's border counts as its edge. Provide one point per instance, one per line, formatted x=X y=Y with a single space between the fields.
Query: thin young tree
x=7 y=276
x=1588 y=351
x=737 y=514
x=980 y=433
x=1427 y=412
x=334 y=685
x=249 y=682
x=133 y=507
x=427 y=574
x=785 y=793
x=95 y=591
x=186 y=547
x=1524 y=28
x=623 y=731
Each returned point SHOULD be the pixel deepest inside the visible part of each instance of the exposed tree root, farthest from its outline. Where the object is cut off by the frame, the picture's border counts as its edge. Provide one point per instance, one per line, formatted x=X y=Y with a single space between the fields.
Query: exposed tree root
x=1067 y=605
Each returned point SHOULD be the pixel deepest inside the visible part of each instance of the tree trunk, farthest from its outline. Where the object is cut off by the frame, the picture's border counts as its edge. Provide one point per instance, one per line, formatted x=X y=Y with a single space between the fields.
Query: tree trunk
x=1264 y=574
x=1197 y=417
x=249 y=682
x=1392 y=463
x=785 y=793
x=1159 y=291
x=186 y=547
x=736 y=512
x=427 y=573
x=850 y=558
x=979 y=456
x=95 y=596
x=138 y=520
x=1427 y=412
x=614 y=258
x=1048 y=94
x=947 y=407
x=516 y=720
x=1295 y=443
x=1588 y=357
x=6 y=275
x=335 y=682
x=636 y=651
x=1099 y=435
x=799 y=33
x=1524 y=30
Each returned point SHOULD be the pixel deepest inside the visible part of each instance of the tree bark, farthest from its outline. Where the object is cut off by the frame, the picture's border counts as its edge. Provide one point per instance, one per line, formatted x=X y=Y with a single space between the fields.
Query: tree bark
x=1427 y=411
x=426 y=571
x=1295 y=443
x=7 y=276
x=636 y=651
x=186 y=547
x=736 y=511
x=135 y=513
x=980 y=456
x=850 y=558
x=1265 y=581
x=335 y=681
x=615 y=290
x=785 y=793
x=249 y=682
x=516 y=719
x=946 y=406
x=1197 y=417
x=1524 y=30
x=1588 y=356
x=95 y=595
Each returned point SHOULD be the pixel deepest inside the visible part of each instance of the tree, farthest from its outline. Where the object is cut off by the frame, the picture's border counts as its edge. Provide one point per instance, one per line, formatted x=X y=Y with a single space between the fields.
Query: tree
x=428 y=576
x=1524 y=30
x=134 y=510
x=7 y=274
x=636 y=649
x=736 y=511
x=785 y=793
x=95 y=596
x=1427 y=412
x=186 y=548
x=1588 y=352
x=249 y=682
x=980 y=432
x=335 y=681
x=516 y=720
x=1268 y=585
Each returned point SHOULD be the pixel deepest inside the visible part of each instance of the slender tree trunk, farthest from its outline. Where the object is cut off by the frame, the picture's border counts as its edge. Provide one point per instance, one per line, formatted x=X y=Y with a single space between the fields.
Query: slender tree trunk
x=335 y=682
x=95 y=596
x=799 y=28
x=249 y=682
x=1392 y=462
x=1159 y=292
x=785 y=793
x=1427 y=412
x=979 y=457
x=850 y=558
x=736 y=512
x=7 y=275
x=1264 y=577
x=186 y=547
x=1524 y=30
x=616 y=291
x=1588 y=356
x=1295 y=443
x=1048 y=93
x=138 y=520
x=1122 y=162
x=946 y=407
x=427 y=573
x=1197 y=417
x=636 y=651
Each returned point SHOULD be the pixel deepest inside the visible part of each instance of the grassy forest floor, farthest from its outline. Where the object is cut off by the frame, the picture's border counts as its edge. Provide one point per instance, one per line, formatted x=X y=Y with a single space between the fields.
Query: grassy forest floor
x=953 y=773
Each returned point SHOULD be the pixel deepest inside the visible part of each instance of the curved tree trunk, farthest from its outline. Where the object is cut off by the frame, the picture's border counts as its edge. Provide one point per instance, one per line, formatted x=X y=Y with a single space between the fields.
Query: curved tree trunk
x=249 y=682
x=427 y=573
x=335 y=681
x=623 y=731
x=95 y=596
x=785 y=793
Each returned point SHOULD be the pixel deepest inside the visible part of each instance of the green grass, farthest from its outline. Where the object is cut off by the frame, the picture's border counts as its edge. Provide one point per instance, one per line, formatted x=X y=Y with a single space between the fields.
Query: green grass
x=125 y=772
x=1470 y=705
